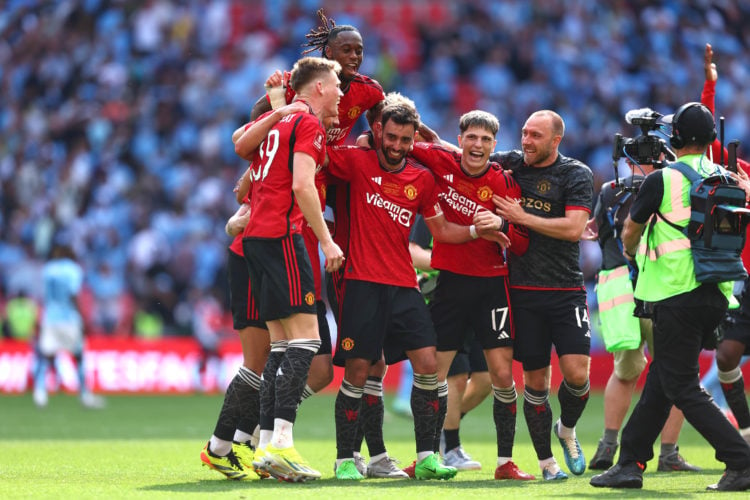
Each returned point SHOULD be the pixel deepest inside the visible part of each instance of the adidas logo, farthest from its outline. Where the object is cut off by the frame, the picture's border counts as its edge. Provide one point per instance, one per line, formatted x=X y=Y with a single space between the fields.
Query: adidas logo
x=448 y=177
x=503 y=335
x=377 y=180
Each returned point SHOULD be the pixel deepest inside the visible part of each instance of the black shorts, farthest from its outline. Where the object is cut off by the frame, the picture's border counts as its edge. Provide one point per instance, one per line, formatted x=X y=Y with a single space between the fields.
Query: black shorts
x=335 y=285
x=381 y=320
x=282 y=276
x=241 y=300
x=470 y=360
x=323 y=330
x=465 y=305
x=737 y=325
x=544 y=318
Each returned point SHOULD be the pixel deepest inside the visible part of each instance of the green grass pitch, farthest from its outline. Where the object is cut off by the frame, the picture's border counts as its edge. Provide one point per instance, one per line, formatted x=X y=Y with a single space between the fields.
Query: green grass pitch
x=148 y=447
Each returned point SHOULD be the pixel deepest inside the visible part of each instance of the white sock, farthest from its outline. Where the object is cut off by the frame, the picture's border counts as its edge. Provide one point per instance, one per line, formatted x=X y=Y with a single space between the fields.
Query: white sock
x=282 y=433
x=241 y=437
x=547 y=461
x=421 y=455
x=379 y=457
x=265 y=438
x=502 y=461
x=219 y=447
x=565 y=432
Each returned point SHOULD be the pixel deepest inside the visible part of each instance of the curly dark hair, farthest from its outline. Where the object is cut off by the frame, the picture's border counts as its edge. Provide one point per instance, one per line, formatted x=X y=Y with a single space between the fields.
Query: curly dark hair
x=318 y=38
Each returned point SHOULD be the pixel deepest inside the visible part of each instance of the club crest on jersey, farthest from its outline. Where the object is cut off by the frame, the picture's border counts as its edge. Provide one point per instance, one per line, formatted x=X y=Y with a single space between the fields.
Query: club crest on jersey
x=543 y=186
x=354 y=112
x=318 y=142
x=309 y=298
x=410 y=191
x=347 y=344
x=484 y=193
x=323 y=192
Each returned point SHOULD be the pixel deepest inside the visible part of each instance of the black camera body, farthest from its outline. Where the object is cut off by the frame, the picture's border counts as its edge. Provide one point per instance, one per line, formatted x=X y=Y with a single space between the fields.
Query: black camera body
x=646 y=148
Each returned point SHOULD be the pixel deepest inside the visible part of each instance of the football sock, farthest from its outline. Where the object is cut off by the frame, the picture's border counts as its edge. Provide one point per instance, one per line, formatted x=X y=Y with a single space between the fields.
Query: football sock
x=292 y=376
x=424 y=407
x=268 y=384
x=346 y=412
x=241 y=407
x=573 y=400
x=538 y=414
x=504 y=414
x=372 y=412
x=442 y=392
x=733 y=387
x=452 y=440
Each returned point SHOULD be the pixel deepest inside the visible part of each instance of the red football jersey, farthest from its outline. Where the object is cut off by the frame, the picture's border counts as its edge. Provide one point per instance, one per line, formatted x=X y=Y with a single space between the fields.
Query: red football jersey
x=383 y=205
x=275 y=212
x=362 y=94
x=461 y=196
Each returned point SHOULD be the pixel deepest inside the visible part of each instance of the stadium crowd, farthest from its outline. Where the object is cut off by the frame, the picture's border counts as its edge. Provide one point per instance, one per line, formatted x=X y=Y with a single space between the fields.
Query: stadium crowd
x=116 y=117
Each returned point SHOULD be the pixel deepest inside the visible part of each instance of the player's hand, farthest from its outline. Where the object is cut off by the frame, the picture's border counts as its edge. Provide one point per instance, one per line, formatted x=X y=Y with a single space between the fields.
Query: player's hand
x=709 y=67
x=509 y=208
x=591 y=231
x=485 y=221
x=275 y=80
x=334 y=256
x=497 y=236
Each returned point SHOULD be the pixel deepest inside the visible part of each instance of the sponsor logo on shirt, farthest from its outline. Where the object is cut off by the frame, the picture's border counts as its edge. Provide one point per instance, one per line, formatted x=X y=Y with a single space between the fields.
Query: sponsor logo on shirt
x=336 y=134
x=460 y=203
x=410 y=191
x=398 y=213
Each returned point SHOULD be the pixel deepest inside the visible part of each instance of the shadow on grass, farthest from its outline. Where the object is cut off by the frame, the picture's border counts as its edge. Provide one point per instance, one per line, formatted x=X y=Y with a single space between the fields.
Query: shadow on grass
x=219 y=485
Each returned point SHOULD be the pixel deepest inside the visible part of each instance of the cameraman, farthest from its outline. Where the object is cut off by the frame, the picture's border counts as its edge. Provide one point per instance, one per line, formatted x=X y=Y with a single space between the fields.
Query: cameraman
x=684 y=312
x=625 y=334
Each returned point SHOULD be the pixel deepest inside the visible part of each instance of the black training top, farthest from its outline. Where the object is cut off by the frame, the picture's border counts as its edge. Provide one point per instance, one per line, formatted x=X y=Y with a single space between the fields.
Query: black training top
x=567 y=184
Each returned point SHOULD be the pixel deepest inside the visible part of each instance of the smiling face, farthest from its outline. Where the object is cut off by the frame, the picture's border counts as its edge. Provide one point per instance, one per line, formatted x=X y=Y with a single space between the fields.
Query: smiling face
x=539 y=141
x=396 y=142
x=477 y=144
x=347 y=49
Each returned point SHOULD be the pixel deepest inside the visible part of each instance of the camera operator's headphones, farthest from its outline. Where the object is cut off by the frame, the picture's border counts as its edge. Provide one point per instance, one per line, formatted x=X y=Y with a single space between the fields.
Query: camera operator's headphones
x=676 y=140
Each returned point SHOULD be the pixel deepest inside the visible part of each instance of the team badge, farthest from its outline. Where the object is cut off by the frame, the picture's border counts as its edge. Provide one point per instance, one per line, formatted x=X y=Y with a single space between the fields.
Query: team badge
x=309 y=298
x=347 y=344
x=354 y=112
x=410 y=191
x=323 y=192
x=544 y=186
x=484 y=193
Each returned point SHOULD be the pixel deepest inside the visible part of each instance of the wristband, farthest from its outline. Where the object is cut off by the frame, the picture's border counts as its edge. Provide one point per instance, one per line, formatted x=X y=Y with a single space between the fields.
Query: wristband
x=473 y=231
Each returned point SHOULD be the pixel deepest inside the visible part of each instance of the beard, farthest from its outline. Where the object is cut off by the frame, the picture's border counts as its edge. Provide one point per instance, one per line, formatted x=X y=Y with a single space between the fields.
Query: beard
x=390 y=160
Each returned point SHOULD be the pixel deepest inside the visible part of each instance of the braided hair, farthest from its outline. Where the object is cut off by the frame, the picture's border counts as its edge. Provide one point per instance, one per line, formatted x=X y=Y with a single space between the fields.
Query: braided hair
x=318 y=38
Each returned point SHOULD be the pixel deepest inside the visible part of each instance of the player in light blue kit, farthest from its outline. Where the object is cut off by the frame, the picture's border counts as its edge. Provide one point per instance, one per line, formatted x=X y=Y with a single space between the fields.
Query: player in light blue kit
x=62 y=325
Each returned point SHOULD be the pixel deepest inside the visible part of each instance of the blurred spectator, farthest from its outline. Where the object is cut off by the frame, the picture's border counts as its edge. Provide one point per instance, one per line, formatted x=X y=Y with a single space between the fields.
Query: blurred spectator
x=115 y=117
